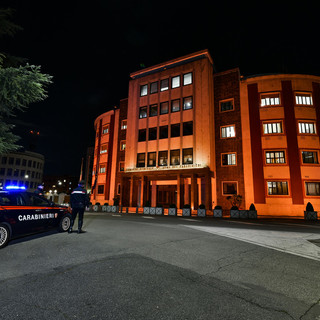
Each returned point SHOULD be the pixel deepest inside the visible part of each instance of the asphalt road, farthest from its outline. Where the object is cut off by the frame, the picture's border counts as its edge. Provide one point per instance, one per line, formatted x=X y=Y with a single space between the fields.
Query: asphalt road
x=135 y=267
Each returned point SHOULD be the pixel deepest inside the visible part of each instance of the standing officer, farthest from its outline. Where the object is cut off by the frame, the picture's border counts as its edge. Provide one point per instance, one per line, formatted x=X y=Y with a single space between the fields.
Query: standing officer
x=78 y=200
x=39 y=190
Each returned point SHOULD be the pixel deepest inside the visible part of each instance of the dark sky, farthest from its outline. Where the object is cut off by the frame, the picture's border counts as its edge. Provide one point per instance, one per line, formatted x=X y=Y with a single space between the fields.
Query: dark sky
x=90 y=48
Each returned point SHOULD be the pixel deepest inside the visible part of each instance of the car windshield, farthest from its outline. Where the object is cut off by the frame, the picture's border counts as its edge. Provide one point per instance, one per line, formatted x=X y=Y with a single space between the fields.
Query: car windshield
x=11 y=199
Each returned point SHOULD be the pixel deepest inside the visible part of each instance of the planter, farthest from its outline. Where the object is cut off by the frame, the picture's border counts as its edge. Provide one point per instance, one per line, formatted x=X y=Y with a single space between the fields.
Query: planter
x=146 y=210
x=152 y=211
x=201 y=212
x=159 y=211
x=96 y=208
x=243 y=214
x=88 y=208
x=104 y=208
x=186 y=212
x=114 y=209
x=252 y=214
x=172 y=212
x=217 y=213
x=234 y=214
x=311 y=215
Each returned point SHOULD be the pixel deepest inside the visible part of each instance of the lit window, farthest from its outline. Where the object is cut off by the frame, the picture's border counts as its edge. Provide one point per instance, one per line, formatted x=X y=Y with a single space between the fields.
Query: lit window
x=175 y=105
x=228 y=132
x=272 y=99
x=123 y=124
x=226 y=105
x=310 y=157
x=104 y=148
x=123 y=145
x=275 y=157
x=313 y=188
x=164 y=107
x=175 y=130
x=121 y=166
x=187 y=78
x=307 y=127
x=143 y=90
x=102 y=168
x=152 y=134
x=175 y=82
x=164 y=84
x=304 y=99
x=187 y=103
x=187 y=156
x=277 y=188
x=141 y=160
x=105 y=129
x=163 y=158
x=143 y=112
x=272 y=127
x=152 y=159
x=142 y=135
x=153 y=110
x=174 y=157
x=101 y=189
x=228 y=159
x=229 y=188
x=154 y=87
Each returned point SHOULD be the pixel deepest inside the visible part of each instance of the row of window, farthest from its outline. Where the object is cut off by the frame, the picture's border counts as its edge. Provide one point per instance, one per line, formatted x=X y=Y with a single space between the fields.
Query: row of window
x=27 y=184
x=21 y=162
x=19 y=173
x=164 y=84
x=175 y=131
x=274 y=188
x=187 y=103
x=163 y=160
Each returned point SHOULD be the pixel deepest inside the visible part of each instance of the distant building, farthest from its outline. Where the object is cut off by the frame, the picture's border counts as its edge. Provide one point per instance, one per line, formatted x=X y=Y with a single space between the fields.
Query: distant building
x=187 y=135
x=21 y=169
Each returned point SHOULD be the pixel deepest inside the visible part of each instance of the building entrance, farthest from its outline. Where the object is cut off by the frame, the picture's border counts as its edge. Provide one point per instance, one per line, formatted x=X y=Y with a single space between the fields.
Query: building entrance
x=166 y=195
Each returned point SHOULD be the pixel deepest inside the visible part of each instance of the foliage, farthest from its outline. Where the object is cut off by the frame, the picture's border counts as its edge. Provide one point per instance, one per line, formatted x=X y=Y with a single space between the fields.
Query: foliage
x=172 y=205
x=187 y=206
x=235 y=201
x=252 y=207
x=202 y=206
x=217 y=207
x=148 y=204
x=309 y=207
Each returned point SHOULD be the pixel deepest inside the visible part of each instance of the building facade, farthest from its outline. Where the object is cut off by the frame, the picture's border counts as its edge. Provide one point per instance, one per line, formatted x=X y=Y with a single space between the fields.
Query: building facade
x=189 y=136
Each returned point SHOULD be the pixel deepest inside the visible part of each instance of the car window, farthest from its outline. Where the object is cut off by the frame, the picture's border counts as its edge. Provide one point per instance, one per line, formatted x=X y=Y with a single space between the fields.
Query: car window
x=11 y=199
x=37 y=201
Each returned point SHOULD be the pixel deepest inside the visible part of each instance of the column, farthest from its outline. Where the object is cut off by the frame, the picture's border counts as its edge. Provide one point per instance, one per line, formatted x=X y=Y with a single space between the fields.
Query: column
x=178 y=204
x=131 y=191
x=142 y=184
x=194 y=192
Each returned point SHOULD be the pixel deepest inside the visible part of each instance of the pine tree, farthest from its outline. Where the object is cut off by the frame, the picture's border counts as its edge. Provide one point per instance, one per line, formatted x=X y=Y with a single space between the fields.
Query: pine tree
x=19 y=86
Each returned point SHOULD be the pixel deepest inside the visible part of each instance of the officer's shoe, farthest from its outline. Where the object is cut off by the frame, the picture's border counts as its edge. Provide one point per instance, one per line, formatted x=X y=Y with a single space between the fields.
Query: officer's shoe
x=70 y=230
x=81 y=231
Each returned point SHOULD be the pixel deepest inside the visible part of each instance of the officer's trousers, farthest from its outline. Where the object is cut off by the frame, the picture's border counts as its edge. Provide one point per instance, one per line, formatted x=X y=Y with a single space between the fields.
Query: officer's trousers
x=75 y=211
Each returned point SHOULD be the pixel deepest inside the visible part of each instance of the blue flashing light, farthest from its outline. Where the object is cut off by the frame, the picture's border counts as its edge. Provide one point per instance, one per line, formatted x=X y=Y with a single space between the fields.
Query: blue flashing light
x=15 y=188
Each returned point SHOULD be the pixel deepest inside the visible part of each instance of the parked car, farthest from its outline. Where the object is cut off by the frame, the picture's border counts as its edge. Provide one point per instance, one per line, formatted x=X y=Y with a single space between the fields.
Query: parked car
x=23 y=213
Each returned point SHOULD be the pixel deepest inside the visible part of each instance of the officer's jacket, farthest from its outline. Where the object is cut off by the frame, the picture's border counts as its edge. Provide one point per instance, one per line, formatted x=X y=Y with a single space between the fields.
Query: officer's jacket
x=79 y=198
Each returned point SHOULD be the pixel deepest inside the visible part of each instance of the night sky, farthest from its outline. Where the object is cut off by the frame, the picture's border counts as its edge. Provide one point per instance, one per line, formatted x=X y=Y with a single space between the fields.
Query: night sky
x=90 y=48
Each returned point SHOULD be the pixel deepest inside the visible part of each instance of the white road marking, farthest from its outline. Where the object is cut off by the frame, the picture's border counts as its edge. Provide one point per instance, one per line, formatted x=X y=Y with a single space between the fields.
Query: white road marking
x=147 y=217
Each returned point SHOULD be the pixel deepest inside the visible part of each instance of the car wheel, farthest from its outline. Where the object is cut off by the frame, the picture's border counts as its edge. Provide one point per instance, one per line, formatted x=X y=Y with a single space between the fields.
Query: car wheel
x=4 y=235
x=65 y=223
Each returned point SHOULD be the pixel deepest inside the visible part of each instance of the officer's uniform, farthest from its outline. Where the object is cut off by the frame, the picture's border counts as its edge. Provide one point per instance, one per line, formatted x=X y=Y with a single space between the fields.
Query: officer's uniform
x=78 y=200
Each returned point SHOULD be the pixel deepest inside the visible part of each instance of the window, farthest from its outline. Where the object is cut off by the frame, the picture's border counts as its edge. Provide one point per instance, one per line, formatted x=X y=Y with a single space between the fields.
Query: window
x=29 y=163
x=310 y=157
x=313 y=188
x=143 y=90
x=142 y=135
x=163 y=158
x=229 y=159
x=105 y=129
x=9 y=172
x=38 y=200
x=272 y=127
x=164 y=107
x=163 y=132
x=141 y=159
x=175 y=130
x=123 y=145
x=187 y=103
x=153 y=110
x=18 y=161
x=152 y=159
x=4 y=160
x=24 y=162
x=270 y=99
x=12 y=199
x=101 y=189
x=304 y=99
x=11 y=160
x=22 y=173
x=187 y=156
x=174 y=157
x=226 y=105
x=123 y=124
x=152 y=134
x=229 y=188
x=164 y=84
x=102 y=168
x=187 y=78
x=121 y=166
x=104 y=148
x=275 y=157
x=143 y=112
x=187 y=128
x=175 y=82
x=154 y=87
x=175 y=105
x=16 y=173
x=228 y=132
x=307 y=127
x=2 y=171
x=277 y=188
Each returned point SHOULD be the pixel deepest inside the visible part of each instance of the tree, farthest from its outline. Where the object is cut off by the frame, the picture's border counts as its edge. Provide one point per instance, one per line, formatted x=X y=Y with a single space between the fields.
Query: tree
x=19 y=86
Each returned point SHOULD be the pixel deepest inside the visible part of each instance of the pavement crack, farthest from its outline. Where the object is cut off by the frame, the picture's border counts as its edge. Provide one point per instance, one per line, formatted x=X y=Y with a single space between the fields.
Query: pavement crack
x=310 y=308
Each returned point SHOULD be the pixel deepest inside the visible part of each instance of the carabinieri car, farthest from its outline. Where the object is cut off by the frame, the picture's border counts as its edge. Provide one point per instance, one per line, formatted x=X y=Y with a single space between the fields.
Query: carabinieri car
x=23 y=213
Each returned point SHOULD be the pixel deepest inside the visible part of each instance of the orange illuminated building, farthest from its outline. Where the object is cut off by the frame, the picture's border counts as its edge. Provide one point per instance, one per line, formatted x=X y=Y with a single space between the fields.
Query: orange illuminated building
x=187 y=135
